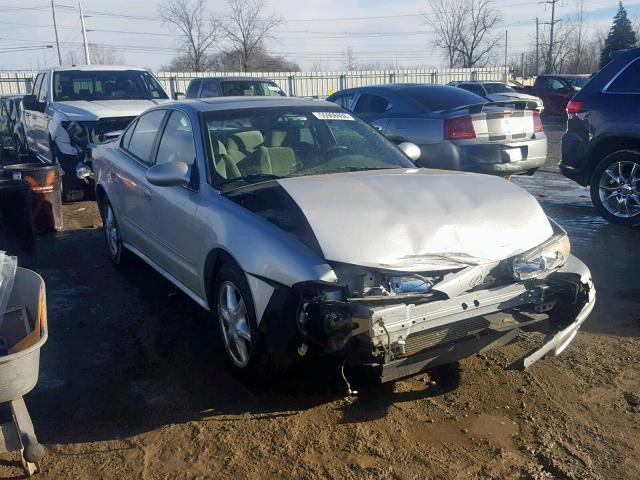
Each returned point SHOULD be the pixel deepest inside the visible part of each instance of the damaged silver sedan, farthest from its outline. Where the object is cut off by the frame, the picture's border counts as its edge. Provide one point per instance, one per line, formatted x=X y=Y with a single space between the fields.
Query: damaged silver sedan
x=306 y=233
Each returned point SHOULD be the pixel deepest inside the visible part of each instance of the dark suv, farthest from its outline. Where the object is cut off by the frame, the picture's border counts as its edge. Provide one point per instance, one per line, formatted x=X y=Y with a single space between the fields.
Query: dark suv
x=601 y=146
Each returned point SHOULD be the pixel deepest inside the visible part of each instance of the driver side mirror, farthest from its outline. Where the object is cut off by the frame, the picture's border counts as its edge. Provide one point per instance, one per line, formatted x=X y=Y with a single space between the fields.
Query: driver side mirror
x=411 y=150
x=30 y=102
x=169 y=174
x=179 y=96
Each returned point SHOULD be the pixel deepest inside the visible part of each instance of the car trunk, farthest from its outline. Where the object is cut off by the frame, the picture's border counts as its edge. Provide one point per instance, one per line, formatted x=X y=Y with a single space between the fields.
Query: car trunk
x=503 y=125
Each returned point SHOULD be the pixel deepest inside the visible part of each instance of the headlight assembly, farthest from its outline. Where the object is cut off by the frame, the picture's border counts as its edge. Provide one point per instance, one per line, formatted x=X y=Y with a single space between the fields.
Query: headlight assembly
x=78 y=133
x=546 y=257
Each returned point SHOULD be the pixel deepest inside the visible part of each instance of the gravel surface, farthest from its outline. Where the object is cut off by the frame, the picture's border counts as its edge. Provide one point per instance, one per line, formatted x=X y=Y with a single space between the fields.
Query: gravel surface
x=133 y=386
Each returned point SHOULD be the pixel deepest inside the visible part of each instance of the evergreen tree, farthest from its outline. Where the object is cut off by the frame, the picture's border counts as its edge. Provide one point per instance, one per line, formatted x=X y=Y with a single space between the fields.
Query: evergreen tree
x=621 y=36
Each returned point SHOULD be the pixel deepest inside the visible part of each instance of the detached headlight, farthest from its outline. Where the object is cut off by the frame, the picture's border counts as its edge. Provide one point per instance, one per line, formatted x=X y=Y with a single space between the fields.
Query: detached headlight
x=78 y=133
x=549 y=256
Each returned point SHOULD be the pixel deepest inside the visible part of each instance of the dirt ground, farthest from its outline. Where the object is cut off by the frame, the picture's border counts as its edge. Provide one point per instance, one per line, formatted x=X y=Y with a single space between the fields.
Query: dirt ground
x=133 y=385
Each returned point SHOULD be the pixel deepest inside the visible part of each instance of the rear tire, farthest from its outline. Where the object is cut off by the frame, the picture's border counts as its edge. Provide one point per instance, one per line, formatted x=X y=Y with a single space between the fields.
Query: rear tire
x=615 y=188
x=243 y=344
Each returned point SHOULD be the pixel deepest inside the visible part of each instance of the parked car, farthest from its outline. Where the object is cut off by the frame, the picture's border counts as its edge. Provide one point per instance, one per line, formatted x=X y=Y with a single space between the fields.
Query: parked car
x=71 y=108
x=307 y=233
x=455 y=129
x=601 y=147
x=556 y=91
x=497 y=91
x=204 y=87
x=11 y=124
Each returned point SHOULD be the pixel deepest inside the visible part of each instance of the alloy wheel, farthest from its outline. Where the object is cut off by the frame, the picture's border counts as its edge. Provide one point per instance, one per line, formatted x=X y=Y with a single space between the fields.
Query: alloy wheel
x=619 y=189
x=111 y=231
x=234 y=323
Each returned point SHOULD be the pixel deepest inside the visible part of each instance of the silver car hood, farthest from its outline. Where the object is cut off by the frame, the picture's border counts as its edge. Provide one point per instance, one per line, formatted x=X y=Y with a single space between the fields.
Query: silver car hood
x=83 y=110
x=418 y=219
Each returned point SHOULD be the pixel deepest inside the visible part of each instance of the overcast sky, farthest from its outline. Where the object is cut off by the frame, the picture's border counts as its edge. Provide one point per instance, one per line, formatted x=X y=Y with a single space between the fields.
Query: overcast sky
x=316 y=31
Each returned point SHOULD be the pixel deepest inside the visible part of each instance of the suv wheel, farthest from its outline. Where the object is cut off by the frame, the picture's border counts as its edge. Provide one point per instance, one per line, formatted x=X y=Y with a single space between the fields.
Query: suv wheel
x=242 y=342
x=73 y=189
x=615 y=187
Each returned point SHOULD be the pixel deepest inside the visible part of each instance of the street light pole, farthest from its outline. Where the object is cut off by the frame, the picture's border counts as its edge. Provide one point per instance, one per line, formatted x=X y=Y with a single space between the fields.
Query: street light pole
x=84 y=37
x=55 y=29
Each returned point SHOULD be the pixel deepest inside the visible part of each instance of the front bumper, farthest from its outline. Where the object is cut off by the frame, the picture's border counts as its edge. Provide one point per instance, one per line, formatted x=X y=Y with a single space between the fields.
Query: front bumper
x=397 y=337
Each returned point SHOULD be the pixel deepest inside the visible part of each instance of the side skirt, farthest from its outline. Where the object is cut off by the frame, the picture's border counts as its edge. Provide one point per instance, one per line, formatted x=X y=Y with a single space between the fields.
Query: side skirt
x=186 y=290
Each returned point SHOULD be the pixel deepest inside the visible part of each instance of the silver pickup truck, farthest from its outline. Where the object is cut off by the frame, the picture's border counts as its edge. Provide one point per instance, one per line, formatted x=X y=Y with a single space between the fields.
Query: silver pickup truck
x=71 y=108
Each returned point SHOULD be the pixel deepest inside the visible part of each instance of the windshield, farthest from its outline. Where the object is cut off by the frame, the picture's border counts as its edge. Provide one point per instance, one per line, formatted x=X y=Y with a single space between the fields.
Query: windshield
x=577 y=83
x=497 y=88
x=105 y=85
x=247 y=146
x=250 y=88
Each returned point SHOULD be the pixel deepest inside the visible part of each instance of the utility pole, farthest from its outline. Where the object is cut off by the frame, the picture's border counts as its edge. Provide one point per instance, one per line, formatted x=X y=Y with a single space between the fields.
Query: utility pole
x=552 y=24
x=537 y=46
x=522 y=63
x=55 y=29
x=84 y=37
x=506 y=39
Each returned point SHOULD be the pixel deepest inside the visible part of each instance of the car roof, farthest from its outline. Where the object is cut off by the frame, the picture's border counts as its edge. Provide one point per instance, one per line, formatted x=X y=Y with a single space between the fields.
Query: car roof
x=263 y=79
x=91 y=68
x=562 y=75
x=235 y=103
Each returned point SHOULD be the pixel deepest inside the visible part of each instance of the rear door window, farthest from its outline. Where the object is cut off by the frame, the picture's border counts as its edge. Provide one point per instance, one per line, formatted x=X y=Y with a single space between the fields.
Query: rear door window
x=36 y=85
x=44 y=89
x=344 y=100
x=628 y=81
x=144 y=135
x=371 y=106
x=209 y=89
x=192 y=91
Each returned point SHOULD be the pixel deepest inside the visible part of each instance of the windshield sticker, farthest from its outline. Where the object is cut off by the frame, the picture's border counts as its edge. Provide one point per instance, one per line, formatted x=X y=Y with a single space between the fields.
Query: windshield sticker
x=332 y=116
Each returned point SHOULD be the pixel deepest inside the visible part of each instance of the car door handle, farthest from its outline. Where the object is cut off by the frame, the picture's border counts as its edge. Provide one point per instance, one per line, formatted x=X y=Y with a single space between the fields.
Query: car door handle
x=146 y=193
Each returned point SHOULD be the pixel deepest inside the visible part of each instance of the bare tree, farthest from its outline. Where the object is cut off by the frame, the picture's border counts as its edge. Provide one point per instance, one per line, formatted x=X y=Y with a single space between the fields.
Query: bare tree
x=477 y=35
x=197 y=26
x=465 y=30
x=445 y=17
x=349 y=60
x=99 y=55
x=247 y=26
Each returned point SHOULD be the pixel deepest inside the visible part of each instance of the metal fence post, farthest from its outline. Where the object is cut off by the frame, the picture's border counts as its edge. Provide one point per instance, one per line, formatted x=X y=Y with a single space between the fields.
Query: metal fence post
x=434 y=77
x=392 y=77
x=342 y=81
x=474 y=75
x=292 y=85
x=172 y=86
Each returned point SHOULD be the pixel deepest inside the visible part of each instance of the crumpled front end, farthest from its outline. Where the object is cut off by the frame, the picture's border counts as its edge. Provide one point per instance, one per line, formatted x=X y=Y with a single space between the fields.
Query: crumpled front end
x=75 y=139
x=402 y=323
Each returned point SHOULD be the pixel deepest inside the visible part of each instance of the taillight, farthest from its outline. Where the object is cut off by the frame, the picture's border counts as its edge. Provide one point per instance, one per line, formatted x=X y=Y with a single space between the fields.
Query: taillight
x=459 y=128
x=537 y=123
x=574 y=106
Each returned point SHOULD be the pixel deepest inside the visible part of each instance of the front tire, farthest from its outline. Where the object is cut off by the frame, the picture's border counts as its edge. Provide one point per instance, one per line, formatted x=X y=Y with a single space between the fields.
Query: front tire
x=112 y=233
x=73 y=189
x=615 y=187
x=243 y=344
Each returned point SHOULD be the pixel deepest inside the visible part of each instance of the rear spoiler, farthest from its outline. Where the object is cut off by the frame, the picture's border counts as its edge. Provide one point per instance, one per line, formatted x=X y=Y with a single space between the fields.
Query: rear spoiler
x=478 y=107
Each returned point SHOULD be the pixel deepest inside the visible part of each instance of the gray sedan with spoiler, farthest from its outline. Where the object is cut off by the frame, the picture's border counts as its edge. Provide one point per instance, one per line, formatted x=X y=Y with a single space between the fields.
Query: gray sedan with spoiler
x=455 y=129
x=306 y=233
